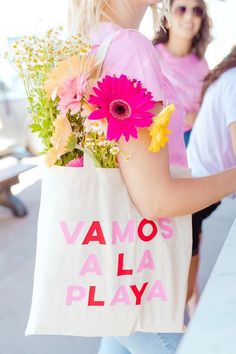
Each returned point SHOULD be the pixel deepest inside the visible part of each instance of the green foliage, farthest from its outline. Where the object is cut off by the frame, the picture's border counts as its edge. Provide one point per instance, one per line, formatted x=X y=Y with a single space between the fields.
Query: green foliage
x=34 y=58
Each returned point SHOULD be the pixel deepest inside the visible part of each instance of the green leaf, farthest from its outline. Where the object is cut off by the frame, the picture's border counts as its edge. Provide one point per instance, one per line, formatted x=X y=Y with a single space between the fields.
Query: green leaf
x=35 y=128
x=71 y=142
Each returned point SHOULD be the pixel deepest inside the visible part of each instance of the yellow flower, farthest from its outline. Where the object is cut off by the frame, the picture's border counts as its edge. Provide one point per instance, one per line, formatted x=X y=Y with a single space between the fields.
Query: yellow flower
x=158 y=129
x=76 y=66
x=59 y=140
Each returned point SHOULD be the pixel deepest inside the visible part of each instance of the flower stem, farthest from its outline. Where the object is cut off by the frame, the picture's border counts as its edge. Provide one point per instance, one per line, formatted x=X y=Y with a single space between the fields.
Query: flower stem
x=90 y=155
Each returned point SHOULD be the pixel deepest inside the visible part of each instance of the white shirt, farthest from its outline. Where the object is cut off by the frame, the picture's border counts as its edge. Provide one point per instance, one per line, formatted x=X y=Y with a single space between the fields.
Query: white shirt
x=210 y=148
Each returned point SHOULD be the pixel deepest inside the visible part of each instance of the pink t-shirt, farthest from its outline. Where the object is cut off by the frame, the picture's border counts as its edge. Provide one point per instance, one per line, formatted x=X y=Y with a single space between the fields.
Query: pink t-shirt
x=185 y=74
x=132 y=54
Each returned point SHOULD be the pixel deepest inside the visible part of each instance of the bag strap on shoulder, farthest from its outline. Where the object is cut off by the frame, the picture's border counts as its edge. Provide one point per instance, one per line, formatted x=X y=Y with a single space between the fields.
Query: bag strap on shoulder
x=103 y=50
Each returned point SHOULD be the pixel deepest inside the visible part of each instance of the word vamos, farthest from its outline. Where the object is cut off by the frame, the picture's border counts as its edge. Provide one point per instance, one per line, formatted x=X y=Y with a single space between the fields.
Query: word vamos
x=146 y=231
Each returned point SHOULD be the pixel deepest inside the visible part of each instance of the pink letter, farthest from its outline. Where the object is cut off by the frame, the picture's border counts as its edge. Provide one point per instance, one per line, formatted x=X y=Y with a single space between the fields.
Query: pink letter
x=146 y=262
x=157 y=290
x=168 y=228
x=70 y=239
x=91 y=265
x=75 y=293
x=121 y=296
x=117 y=233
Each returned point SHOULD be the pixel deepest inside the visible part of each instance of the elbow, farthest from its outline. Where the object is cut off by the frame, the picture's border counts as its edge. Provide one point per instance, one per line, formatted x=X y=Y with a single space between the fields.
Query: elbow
x=153 y=205
x=149 y=216
x=155 y=202
x=152 y=211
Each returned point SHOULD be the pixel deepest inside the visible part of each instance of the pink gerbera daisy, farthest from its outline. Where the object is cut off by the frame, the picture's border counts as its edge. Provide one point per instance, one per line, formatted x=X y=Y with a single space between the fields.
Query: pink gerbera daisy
x=71 y=95
x=125 y=104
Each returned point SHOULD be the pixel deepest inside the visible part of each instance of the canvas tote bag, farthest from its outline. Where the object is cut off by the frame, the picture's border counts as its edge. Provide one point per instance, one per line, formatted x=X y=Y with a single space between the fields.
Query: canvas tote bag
x=101 y=268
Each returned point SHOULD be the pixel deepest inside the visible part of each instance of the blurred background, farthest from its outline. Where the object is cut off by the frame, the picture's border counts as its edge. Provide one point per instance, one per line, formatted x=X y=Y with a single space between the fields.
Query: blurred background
x=17 y=161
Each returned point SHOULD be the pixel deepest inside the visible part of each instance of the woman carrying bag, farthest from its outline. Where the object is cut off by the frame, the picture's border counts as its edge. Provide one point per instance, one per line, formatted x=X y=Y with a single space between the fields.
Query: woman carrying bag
x=117 y=265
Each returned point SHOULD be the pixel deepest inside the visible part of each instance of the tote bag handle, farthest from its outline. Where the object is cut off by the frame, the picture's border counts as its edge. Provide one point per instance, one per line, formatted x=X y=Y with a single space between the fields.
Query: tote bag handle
x=102 y=51
x=101 y=56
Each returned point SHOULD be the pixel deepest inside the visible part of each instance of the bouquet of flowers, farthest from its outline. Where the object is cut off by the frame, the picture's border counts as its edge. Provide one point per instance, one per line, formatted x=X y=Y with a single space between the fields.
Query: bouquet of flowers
x=75 y=113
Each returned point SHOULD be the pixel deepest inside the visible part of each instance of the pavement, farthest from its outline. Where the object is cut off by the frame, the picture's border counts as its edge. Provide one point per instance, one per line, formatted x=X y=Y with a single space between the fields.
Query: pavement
x=17 y=252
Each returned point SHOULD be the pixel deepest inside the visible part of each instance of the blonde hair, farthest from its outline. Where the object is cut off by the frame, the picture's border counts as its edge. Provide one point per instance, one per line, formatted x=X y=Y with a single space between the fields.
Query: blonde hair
x=85 y=14
x=160 y=12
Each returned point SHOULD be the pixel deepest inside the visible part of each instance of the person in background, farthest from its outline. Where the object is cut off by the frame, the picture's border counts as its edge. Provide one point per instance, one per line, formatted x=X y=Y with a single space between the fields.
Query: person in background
x=181 y=44
x=153 y=190
x=212 y=145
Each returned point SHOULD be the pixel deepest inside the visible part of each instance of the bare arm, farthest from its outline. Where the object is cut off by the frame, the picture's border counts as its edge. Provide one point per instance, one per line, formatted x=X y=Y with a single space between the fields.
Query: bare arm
x=232 y=129
x=156 y=193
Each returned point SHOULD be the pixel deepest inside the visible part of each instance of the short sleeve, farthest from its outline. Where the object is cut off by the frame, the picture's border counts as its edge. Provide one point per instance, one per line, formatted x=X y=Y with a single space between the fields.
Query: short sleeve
x=204 y=68
x=229 y=98
x=133 y=55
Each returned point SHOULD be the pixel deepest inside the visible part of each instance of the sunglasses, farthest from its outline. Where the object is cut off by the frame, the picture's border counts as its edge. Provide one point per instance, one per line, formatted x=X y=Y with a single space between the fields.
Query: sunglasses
x=197 y=11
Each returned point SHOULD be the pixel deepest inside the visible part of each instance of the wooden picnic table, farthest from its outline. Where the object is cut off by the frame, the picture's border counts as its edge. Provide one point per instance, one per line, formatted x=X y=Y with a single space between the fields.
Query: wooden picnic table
x=9 y=176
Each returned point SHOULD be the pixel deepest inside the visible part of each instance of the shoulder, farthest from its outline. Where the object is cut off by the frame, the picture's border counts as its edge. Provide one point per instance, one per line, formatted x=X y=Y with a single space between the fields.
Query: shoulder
x=201 y=64
x=203 y=68
x=160 y=49
x=159 y=46
x=204 y=65
x=134 y=41
x=227 y=86
x=132 y=54
x=132 y=35
x=229 y=77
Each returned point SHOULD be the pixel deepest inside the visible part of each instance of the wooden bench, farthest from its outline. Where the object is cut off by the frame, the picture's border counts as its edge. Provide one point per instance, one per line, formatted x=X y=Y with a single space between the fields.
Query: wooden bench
x=9 y=175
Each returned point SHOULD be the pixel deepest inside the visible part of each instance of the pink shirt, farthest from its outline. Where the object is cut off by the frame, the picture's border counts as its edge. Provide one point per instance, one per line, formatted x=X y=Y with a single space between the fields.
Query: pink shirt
x=185 y=74
x=132 y=54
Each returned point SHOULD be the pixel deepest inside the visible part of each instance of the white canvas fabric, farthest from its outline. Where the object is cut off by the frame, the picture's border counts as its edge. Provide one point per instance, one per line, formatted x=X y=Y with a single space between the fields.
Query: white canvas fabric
x=101 y=269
